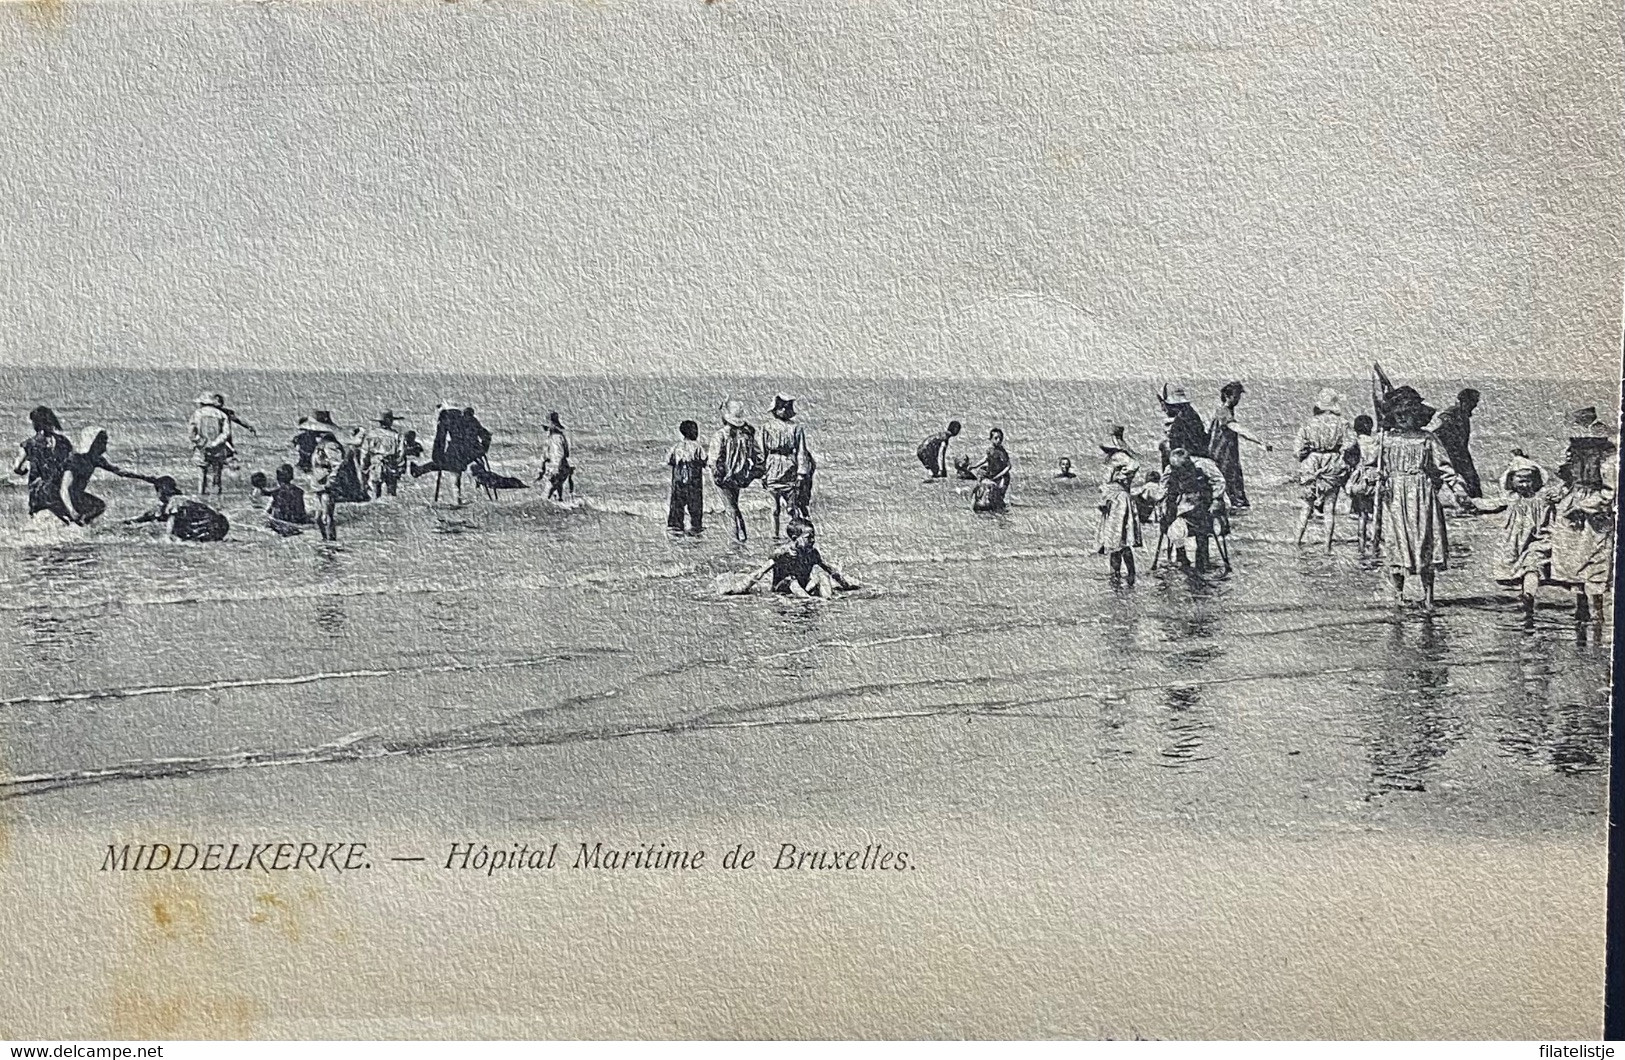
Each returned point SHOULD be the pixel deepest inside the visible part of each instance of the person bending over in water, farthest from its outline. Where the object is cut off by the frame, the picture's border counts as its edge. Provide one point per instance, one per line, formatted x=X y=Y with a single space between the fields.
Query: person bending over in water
x=798 y=568
x=44 y=457
x=81 y=506
x=287 y=514
x=933 y=452
x=188 y=520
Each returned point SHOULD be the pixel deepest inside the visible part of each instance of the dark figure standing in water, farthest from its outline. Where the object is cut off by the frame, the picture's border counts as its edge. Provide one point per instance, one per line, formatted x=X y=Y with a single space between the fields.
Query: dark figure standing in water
x=1184 y=427
x=44 y=457
x=933 y=452
x=1455 y=432
x=1224 y=445
x=81 y=506
x=188 y=520
x=457 y=444
x=687 y=461
x=993 y=476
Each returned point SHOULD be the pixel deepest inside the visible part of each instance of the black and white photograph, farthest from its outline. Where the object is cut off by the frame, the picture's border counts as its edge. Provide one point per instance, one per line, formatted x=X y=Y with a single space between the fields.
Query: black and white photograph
x=651 y=519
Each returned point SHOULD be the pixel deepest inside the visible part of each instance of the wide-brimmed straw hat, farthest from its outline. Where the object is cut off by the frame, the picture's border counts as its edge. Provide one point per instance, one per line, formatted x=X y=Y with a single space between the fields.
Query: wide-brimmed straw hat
x=387 y=417
x=1175 y=394
x=211 y=399
x=733 y=412
x=1329 y=400
x=1405 y=399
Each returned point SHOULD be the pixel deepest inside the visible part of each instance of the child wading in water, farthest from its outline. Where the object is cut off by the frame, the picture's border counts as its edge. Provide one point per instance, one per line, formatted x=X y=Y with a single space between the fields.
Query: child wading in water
x=798 y=568
x=1119 y=533
x=324 y=468
x=687 y=461
x=1362 y=481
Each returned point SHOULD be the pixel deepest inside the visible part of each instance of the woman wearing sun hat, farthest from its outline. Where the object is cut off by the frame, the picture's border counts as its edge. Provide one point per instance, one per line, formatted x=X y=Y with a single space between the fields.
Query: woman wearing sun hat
x=1323 y=447
x=736 y=460
x=785 y=455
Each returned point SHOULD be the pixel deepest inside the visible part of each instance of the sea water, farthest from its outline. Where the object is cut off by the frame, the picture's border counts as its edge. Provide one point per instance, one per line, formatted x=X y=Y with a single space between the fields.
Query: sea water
x=1289 y=694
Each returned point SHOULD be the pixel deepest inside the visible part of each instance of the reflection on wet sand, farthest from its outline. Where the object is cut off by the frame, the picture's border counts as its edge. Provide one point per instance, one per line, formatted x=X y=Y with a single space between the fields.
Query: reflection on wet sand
x=1552 y=719
x=54 y=634
x=1416 y=721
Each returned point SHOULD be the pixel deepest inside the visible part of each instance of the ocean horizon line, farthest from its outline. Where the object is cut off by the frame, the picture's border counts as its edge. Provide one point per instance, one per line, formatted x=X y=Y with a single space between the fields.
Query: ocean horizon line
x=421 y=373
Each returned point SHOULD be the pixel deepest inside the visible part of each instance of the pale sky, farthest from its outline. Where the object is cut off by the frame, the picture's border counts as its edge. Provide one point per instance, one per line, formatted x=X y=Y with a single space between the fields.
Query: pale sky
x=889 y=187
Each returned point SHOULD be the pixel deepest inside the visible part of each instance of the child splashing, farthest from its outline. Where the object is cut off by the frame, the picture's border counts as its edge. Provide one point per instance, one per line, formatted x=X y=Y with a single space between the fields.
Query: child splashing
x=798 y=568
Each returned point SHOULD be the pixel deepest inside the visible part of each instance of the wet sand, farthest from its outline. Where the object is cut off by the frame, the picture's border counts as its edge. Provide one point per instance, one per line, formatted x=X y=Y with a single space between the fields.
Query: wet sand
x=1041 y=905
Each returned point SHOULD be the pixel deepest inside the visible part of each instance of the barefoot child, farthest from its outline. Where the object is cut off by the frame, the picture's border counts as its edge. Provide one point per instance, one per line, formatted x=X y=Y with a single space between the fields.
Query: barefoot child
x=324 y=469
x=1119 y=533
x=687 y=461
x=1362 y=481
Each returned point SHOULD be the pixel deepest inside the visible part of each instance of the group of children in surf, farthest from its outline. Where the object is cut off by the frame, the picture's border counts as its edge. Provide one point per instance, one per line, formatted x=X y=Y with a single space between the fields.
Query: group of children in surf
x=1397 y=466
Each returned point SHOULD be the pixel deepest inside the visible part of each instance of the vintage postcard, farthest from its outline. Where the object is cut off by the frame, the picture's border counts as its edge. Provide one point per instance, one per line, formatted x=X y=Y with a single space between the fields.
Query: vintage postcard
x=790 y=519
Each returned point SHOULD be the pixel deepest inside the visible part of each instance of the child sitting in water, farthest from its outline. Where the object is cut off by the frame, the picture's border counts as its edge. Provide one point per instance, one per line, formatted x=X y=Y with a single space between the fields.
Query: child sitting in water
x=798 y=568
x=1362 y=482
x=287 y=514
x=188 y=520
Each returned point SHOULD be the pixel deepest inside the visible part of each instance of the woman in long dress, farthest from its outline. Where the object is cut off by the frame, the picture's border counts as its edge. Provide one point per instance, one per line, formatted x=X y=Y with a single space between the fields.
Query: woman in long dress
x=1413 y=468
x=1224 y=445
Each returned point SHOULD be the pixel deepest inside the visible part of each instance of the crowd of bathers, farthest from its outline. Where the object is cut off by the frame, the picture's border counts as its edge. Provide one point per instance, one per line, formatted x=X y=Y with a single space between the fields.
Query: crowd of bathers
x=1394 y=468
